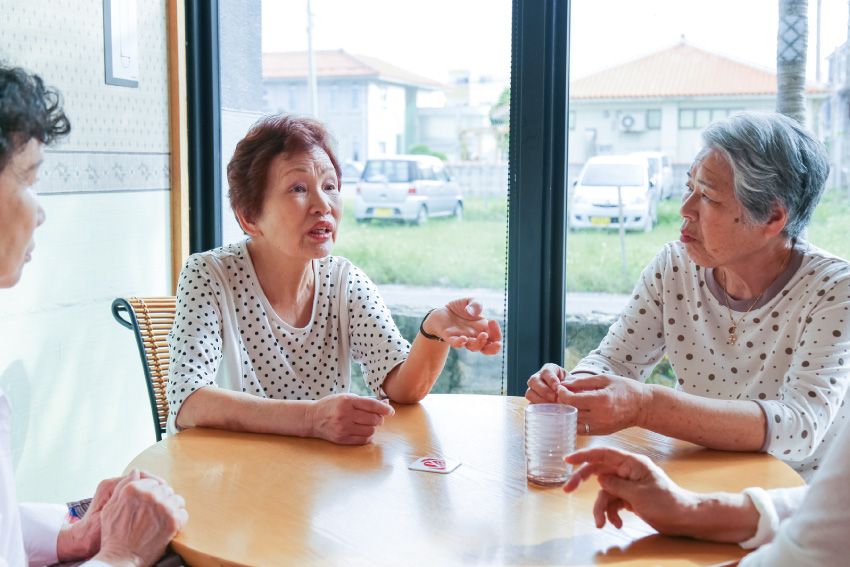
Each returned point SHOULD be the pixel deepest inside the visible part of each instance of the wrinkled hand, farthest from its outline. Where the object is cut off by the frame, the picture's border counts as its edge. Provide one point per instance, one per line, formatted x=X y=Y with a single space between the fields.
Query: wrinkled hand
x=543 y=384
x=605 y=403
x=347 y=419
x=632 y=482
x=461 y=325
x=141 y=517
x=81 y=540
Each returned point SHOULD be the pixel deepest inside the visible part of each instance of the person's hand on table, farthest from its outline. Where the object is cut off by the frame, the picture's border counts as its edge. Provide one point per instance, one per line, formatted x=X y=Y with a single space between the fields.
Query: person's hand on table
x=606 y=403
x=543 y=384
x=81 y=540
x=461 y=325
x=141 y=517
x=631 y=482
x=347 y=419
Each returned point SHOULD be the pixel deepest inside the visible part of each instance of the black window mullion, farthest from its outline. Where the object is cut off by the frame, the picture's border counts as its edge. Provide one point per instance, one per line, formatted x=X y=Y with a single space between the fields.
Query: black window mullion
x=538 y=188
x=204 y=122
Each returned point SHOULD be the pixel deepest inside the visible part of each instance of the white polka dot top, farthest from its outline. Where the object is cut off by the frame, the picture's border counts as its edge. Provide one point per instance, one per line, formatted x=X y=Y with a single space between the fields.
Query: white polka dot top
x=226 y=333
x=792 y=354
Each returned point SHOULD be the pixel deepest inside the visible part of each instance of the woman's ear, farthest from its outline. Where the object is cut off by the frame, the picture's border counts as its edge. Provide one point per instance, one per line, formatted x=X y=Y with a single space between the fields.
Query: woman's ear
x=776 y=221
x=248 y=227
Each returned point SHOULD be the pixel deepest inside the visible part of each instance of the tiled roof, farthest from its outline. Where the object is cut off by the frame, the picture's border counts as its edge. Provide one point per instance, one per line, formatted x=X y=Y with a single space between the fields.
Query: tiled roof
x=340 y=64
x=681 y=70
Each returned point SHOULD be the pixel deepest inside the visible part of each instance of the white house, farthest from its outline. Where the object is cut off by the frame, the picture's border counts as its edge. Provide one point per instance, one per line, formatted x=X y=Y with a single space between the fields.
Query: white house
x=368 y=104
x=663 y=101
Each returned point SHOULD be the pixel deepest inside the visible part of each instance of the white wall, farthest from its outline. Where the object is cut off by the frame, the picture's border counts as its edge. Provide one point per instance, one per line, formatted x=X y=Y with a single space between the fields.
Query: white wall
x=81 y=411
x=385 y=116
x=681 y=144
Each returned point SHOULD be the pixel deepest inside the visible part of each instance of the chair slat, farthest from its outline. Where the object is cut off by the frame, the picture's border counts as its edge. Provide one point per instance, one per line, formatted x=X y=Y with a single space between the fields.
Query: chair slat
x=154 y=317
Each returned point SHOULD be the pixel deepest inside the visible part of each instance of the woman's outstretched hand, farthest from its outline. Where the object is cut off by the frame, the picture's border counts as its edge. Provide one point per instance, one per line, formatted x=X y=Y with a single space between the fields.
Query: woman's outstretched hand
x=461 y=325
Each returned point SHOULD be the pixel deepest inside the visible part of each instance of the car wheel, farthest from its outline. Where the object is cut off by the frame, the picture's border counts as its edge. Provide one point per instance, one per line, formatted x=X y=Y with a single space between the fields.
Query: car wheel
x=361 y=221
x=457 y=213
x=421 y=216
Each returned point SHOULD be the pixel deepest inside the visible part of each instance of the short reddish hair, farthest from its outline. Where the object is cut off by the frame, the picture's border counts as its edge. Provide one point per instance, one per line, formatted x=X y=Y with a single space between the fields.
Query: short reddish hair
x=269 y=137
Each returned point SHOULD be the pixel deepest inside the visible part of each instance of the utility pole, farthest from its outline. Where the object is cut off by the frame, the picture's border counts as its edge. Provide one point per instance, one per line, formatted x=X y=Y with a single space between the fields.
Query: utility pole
x=817 y=45
x=311 y=65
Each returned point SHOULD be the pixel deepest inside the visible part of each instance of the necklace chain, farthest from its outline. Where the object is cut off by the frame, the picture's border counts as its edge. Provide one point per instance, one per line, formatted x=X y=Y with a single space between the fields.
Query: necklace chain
x=732 y=339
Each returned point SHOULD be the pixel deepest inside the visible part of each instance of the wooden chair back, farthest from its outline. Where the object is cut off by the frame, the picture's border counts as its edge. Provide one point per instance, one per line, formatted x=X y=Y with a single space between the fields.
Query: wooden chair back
x=150 y=319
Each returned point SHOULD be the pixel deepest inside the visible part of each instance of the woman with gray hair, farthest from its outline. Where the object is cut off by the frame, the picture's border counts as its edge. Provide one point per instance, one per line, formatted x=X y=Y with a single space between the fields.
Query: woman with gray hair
x=755 y=321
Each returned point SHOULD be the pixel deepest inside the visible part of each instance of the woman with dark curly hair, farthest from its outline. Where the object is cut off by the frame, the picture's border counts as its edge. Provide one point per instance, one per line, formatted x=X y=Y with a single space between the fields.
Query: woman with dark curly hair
x=131 y=519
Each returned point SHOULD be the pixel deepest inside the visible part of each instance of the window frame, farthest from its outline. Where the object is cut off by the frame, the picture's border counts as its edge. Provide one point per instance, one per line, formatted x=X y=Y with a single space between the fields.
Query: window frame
x=537 y=181
x=537 y=178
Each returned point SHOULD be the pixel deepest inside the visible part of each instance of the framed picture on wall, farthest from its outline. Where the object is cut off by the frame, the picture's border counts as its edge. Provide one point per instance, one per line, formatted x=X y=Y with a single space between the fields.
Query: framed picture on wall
x=121 y=43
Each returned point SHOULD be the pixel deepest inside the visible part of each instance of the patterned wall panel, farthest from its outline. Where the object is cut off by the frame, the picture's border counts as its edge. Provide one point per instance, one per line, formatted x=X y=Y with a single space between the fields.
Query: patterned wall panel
x=119 y=139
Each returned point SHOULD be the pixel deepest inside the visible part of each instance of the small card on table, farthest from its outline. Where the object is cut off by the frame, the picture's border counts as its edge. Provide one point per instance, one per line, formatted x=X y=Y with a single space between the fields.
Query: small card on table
x=434 y=464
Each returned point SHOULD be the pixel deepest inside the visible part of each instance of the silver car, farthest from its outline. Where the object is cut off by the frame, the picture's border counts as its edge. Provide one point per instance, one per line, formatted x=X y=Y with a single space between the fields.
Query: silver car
x=410 y=188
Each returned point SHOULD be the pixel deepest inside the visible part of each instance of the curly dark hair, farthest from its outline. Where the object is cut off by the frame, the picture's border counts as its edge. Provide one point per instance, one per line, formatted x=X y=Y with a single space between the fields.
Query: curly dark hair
x=28 y=109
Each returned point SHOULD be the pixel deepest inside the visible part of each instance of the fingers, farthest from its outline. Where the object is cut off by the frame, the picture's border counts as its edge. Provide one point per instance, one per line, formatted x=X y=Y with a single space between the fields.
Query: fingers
x=612 y=459
x=494 y=330
x=583 y=383
x=580 y=400
x=474 y=309
x=466 y=308
x=146 y=474
x=372 y=405
x=544 y=384
x=584 y=472
x=367 y=418
x=105 y=489
x=600 y=506
x=613 y=512
x=535 y=398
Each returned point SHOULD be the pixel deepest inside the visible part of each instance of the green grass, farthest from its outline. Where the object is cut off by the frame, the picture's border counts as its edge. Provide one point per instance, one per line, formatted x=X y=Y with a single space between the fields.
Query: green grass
x=471 y=253
x=594 y=258
x=828 y=229
x=442 y=252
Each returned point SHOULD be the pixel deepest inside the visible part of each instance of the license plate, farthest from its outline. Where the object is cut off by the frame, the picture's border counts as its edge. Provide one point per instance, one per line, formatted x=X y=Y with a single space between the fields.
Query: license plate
x=602 y=221
x=383 y=212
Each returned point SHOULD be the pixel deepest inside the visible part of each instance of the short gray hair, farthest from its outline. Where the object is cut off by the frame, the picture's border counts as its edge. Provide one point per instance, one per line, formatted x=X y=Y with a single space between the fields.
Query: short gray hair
x=774 y=161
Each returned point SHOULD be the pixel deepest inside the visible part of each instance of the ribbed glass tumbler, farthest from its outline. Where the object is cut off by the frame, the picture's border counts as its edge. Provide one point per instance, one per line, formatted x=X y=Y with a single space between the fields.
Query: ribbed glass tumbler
x=550 y=435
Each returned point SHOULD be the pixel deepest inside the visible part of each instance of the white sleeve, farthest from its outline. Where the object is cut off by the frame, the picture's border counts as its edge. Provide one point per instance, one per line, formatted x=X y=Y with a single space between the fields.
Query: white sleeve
x=814 y=386
x=195 y=340
x=376 y=342
x=40 y=524
x=817 y=534
x=773 y=506
x=635 y=341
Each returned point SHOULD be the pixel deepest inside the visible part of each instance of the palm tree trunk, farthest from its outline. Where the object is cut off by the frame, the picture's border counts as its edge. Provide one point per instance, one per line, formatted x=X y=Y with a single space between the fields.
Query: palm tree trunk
x=791 y=44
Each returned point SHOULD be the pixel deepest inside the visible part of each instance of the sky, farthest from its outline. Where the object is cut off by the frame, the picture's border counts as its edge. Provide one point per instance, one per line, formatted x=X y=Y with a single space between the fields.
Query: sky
x=431 y=38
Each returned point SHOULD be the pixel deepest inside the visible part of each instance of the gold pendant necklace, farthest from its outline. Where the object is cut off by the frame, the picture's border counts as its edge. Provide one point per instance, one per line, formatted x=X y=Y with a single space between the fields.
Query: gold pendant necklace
x=732 y=339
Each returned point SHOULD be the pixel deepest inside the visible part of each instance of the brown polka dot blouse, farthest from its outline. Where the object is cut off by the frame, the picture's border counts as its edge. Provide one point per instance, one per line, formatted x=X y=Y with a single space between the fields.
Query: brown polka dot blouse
x=792 y=356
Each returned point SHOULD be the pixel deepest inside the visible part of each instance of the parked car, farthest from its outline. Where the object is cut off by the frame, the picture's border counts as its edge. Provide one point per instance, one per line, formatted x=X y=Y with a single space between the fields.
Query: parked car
x=410 y=188
x=660 y=172
x=595 y=203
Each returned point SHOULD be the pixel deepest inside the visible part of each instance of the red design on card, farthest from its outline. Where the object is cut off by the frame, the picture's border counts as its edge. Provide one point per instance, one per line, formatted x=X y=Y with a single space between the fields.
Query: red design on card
x=434 y=463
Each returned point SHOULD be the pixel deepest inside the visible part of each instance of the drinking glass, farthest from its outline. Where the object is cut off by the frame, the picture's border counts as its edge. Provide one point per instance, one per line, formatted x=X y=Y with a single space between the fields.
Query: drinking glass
x=550 y=435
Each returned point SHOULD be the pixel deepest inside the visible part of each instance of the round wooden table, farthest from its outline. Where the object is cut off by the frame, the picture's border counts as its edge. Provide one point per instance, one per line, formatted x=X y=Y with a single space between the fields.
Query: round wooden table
x=267 y=500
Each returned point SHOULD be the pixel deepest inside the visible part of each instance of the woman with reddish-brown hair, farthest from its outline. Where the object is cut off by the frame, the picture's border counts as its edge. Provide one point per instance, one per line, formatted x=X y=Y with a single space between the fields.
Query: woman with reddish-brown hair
x=266 y=328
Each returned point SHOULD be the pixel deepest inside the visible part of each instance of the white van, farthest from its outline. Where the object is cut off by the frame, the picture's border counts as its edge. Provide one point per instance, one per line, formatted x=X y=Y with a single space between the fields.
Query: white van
x=595 y=202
